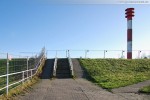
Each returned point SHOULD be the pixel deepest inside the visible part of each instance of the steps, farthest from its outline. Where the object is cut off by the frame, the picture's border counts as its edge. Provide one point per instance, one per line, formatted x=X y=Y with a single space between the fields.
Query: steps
x=63 y=69
x=47 y=69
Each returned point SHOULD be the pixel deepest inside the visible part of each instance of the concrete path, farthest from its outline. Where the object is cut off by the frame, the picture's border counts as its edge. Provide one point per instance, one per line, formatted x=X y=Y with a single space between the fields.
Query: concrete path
x=131 y=88
x=131 y=92
x=79 y=89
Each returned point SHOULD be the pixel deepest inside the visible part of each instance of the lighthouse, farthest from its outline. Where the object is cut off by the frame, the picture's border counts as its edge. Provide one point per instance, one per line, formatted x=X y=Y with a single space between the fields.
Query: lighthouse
x=129 y=14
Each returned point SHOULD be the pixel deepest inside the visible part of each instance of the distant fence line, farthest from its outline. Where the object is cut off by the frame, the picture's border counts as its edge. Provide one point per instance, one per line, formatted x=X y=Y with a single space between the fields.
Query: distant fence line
x=137 y=54
x=15 y=69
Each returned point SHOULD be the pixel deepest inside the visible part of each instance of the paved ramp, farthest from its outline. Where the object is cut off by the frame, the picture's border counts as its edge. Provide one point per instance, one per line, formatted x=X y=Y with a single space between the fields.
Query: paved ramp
x=68 y=89
x=78 y=70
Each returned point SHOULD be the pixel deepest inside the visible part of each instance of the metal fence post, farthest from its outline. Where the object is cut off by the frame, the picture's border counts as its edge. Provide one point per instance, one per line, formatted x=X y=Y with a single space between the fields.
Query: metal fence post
x=7 y=74
x=66 y=53
x=139 y=52
x=35 y=60
x=104 y=53
x=27 y=66
x=46 y=54
x=122 y=56
x=23 y=77
x=31 y=73
x=56 y=53
x=85 y=53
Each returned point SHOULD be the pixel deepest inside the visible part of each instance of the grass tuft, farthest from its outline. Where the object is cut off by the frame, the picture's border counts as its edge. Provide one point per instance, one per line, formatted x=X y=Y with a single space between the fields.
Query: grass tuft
x=145 y=89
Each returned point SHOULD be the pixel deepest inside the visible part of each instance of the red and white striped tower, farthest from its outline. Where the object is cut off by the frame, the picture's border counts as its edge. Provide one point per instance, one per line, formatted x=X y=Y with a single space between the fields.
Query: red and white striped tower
x=129 y=14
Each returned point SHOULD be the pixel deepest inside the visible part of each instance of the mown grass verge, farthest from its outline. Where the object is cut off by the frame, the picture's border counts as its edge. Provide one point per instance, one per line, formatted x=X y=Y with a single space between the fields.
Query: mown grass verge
x=23 y=87
x=145 y=89
x=114 y=73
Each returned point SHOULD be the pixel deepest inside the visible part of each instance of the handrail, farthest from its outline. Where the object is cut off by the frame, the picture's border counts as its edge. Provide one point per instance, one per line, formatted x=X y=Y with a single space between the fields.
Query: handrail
x=40 y=59
x=70 y=64
x=55 y=67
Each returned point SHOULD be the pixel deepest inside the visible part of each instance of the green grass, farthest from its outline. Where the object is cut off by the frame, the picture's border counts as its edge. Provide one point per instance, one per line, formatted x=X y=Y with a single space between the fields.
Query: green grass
x=114 y=73
x=15 y=65
x=145 y=89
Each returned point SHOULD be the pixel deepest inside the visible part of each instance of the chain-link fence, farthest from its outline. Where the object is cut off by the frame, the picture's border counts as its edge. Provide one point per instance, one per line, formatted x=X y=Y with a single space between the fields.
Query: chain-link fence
x=15 y=69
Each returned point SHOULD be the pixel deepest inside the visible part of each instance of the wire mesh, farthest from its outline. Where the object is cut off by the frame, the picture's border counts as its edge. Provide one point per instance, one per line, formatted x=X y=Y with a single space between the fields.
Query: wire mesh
x=19 y=68
x=3 y=63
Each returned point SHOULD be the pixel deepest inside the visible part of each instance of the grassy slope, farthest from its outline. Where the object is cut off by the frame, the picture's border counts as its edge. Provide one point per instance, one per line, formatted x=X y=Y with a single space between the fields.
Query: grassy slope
x=113 y=73
x=145 y=89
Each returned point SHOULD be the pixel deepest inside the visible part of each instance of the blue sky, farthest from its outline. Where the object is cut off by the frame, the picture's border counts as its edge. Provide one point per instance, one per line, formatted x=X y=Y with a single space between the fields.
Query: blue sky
x=28 y=26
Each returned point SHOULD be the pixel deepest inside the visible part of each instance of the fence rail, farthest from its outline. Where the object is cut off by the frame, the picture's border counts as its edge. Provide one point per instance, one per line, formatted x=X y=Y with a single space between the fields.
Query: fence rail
x=70 y=64
x=16 y=69
x=137 y=54
x=55 y=65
